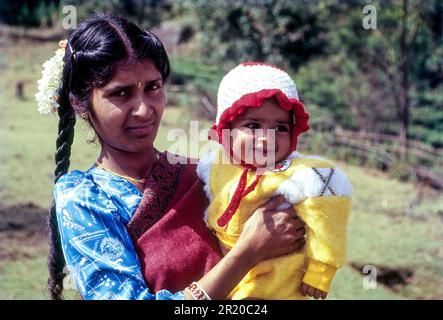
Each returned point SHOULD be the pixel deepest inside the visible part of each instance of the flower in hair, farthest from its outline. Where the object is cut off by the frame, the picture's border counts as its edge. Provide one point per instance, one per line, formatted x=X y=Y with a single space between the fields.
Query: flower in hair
x=63 y=43
x=47 y=93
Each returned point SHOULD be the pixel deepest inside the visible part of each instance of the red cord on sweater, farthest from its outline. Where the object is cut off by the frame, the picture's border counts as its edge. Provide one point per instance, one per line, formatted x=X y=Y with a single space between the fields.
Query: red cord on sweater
x=239 y=193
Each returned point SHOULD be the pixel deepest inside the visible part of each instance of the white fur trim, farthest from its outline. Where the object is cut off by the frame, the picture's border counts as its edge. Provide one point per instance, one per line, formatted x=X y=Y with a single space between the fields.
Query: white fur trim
x=206 y=215
x=204 y=167
x=305 y=183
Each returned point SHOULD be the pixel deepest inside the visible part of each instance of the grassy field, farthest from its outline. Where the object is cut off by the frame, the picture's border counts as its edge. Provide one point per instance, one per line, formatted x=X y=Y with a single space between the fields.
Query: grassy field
x=403 y=241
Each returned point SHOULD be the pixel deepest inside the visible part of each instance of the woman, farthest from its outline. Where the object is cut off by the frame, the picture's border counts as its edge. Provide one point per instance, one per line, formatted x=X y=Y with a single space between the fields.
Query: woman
x=131 y=226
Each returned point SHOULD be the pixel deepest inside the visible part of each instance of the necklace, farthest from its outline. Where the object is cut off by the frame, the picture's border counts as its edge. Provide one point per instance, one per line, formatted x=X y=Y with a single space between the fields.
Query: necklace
x=139 y=181
x=134 y=180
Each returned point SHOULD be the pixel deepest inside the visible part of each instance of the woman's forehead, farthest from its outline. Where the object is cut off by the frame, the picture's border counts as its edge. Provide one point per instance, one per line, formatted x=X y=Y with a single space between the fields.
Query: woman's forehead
x=132 y=72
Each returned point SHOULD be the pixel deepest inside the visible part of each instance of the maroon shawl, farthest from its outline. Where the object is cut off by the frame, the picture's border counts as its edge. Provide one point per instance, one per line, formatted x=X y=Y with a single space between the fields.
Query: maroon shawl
x=172 y=241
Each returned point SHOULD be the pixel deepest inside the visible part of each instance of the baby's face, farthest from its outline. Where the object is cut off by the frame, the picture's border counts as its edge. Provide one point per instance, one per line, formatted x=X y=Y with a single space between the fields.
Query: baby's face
x=261 y=136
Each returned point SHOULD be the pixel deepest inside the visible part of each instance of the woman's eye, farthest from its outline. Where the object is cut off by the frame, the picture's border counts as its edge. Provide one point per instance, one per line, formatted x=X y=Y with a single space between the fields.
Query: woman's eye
x=253 y=125
x=152 y=87
x=282 y=128
x=120 y=93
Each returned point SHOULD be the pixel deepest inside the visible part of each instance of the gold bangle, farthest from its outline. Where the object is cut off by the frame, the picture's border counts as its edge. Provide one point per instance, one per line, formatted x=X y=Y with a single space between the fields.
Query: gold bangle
x=197 y=292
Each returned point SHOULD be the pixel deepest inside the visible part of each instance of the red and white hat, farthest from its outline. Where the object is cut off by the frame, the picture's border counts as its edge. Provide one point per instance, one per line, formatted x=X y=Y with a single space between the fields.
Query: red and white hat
x=248 y=85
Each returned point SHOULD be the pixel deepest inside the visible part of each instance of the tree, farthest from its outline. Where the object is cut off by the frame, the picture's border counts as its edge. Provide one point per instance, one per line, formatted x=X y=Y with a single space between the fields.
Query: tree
x=143 y=12
x=286 y=32
x=28 y=13
x=390 y=54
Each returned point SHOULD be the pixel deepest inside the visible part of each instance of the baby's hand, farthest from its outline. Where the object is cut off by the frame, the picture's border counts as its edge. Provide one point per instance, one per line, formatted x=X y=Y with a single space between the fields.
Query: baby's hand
x=312 y=292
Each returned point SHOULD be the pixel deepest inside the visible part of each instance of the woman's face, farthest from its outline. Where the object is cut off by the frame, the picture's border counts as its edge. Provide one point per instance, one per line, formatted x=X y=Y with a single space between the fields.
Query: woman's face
x=126 y=112
x=262 y=136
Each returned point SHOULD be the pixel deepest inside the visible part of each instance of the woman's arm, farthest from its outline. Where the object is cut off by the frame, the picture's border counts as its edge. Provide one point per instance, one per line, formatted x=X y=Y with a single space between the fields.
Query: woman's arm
x=267 y=234
x=97 y=247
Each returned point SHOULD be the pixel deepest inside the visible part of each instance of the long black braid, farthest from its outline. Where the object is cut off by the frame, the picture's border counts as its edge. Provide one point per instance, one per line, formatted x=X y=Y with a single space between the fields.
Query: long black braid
x=56 y=261
x=95 y=48
x=65 y=138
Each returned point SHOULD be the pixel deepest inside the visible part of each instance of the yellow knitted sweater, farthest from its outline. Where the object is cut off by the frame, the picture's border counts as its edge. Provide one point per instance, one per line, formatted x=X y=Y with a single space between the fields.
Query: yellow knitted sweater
x=324 y=207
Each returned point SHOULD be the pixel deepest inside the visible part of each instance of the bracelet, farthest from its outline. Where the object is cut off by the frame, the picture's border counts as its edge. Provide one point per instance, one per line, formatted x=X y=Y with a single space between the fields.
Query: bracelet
x=197 y=292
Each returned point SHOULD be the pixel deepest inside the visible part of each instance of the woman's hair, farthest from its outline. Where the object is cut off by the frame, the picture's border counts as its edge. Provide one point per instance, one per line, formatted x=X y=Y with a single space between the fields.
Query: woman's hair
x=94 y=51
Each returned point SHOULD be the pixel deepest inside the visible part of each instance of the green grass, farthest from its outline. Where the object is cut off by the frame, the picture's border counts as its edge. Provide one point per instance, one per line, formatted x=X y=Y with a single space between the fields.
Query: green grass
x=380 y=232
x=25 y=279
x=13 y=274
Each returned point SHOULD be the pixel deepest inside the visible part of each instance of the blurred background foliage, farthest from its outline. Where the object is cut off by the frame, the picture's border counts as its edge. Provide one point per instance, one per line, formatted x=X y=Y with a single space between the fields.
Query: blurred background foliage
x=388 y=80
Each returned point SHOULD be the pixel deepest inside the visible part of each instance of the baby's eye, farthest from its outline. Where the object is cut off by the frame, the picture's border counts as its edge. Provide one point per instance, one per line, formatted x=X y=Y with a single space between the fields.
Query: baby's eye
x=253 y=125
x=282 y=128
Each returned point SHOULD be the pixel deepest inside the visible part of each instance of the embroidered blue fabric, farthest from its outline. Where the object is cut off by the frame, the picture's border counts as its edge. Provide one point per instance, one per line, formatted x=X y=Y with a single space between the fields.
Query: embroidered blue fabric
x=93 y=209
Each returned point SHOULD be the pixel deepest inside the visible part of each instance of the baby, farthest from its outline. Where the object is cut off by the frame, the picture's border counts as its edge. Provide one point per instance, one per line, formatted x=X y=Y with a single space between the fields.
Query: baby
x=258 y=121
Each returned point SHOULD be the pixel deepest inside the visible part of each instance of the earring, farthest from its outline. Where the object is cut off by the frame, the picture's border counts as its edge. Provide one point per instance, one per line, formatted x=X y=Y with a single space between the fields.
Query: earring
x=139 y=84
x=84 y=115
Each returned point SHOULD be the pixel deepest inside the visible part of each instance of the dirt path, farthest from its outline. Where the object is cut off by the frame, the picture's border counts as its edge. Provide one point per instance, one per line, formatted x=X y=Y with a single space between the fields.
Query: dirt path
x=22 y=229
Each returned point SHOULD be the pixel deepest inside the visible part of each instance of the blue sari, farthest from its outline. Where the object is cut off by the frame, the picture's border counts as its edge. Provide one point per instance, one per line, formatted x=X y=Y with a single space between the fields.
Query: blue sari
x=93 y=210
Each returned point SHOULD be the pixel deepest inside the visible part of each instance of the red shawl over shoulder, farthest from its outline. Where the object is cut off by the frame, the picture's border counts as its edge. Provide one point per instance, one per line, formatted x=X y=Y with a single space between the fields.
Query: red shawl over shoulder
x=171 y=238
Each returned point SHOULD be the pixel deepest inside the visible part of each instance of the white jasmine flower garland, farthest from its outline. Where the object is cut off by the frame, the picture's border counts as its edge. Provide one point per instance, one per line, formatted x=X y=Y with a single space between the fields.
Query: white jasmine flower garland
x=47 y=94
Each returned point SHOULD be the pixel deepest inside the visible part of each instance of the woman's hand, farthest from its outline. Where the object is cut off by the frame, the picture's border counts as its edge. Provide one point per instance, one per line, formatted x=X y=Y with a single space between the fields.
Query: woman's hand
x=268 y=233
x=271 y=233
